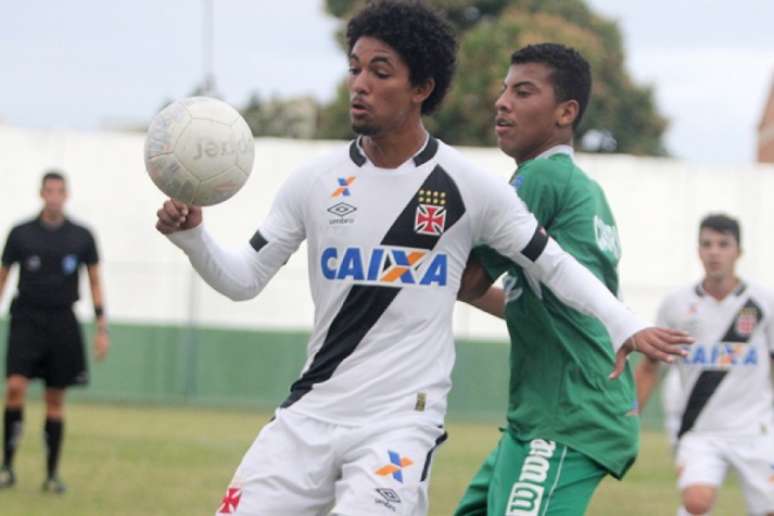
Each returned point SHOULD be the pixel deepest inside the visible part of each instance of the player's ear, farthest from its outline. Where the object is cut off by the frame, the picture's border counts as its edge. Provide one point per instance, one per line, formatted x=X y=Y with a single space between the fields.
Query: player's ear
x=422 y=91
x=567 y=112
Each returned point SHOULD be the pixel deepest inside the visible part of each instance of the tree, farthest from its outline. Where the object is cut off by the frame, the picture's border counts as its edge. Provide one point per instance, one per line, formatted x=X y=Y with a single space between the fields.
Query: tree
x=621 y=117
x=289 y=118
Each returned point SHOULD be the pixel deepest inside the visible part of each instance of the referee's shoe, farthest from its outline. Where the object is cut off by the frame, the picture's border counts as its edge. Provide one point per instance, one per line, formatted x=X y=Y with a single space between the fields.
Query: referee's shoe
x=54 y=485
x=7 y=477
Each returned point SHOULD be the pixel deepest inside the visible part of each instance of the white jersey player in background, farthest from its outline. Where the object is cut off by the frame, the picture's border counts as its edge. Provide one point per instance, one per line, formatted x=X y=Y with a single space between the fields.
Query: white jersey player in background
x=389 y=222
x=724 y=397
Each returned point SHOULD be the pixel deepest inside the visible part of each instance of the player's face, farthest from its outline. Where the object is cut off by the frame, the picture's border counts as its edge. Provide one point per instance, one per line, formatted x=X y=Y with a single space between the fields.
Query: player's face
x=718 y=253
x=528 y=119
x=382 y=98
x=54 y=194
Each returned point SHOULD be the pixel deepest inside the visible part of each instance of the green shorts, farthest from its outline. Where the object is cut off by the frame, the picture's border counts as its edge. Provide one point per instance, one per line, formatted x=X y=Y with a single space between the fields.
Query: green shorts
x=531 y=478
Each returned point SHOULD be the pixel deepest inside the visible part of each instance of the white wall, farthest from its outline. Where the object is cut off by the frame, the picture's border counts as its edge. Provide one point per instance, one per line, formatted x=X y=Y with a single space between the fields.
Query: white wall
x=657 y=202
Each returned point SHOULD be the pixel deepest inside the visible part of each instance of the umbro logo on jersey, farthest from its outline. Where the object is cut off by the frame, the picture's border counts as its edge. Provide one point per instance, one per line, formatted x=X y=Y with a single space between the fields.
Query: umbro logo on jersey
x=341 y=210
x=344 y=184
x=395 y=467
x=390 y=266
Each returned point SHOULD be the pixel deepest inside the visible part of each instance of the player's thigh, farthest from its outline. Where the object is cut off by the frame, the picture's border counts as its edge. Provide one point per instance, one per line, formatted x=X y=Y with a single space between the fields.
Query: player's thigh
x=541 y=477
x=386 y=470
x=289 y=470
x=65 y=361
x=700 y=461
x=753 y=461
x=474 y=500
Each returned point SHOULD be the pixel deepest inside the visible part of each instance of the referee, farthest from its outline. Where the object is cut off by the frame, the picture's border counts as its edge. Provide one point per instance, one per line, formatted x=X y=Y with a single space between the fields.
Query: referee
x=45 y=338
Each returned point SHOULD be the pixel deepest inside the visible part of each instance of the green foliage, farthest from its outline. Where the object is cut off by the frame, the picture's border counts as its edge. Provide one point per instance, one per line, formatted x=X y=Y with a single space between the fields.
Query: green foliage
x=490 y=30
x=289 y=118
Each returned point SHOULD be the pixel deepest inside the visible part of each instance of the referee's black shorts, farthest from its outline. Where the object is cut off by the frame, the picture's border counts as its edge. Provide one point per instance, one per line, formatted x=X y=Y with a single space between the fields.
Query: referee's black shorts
x=46 y=343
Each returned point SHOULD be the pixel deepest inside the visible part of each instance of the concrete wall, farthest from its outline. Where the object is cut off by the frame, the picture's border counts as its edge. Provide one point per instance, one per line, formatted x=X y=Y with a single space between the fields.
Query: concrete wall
x=658 y=203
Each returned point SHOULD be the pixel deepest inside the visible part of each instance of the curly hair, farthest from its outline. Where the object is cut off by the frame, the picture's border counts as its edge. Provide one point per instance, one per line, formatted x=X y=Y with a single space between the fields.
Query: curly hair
x=571 y=72
x=419 y=34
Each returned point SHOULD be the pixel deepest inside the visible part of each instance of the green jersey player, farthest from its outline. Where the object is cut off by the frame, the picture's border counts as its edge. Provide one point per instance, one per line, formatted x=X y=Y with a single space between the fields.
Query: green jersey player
x=569 y=424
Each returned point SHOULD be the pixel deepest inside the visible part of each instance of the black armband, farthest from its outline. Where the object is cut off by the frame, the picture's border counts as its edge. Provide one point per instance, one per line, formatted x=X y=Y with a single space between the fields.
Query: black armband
x=99 y=311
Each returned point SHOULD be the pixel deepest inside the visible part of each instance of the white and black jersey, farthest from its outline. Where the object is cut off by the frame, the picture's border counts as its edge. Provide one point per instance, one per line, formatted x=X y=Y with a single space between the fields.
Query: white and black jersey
x=725 y=379
x=386 y=251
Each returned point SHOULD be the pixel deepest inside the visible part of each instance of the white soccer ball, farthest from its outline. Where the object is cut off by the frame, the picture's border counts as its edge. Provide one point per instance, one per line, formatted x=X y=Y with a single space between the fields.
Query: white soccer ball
x=199 y=151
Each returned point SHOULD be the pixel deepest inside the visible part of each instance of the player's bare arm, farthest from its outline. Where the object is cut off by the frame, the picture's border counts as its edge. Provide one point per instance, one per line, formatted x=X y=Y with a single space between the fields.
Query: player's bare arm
x=101 y=335
x=646 y=379
x=657 y=344
x=3 y=278
x=476 y=289
x=177 y=216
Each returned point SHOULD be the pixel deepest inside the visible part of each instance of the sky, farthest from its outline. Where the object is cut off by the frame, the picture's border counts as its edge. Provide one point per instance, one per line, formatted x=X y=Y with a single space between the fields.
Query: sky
x=88 y=65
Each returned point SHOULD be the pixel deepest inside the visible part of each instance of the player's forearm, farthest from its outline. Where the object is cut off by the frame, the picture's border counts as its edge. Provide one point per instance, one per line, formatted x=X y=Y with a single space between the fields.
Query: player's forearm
x=578 y=288
x=3 y=278
x=645 y=378
x=492 y=302
x=97 y=298
x=237 y=274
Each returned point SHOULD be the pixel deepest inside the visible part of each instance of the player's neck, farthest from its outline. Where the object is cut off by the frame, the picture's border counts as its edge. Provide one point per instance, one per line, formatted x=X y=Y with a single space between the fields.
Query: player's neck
x=719 y=288
x=393 y=149
x=52 y=218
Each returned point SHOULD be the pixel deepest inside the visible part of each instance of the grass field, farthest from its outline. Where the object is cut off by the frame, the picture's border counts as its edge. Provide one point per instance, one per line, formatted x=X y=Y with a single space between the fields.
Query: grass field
x=130 y=460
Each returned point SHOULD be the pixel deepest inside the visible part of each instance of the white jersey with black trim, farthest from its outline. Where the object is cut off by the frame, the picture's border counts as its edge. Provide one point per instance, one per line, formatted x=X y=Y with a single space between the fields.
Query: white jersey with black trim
x=386 y=251
x=725 y=382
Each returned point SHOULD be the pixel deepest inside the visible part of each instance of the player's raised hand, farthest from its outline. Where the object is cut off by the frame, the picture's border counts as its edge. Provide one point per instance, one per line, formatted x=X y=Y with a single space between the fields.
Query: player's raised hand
x=177 y=216
x=662 y=344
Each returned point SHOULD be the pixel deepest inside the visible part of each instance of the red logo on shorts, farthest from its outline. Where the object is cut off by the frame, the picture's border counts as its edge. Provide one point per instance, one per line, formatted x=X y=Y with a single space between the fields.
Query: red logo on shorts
x=230 y=501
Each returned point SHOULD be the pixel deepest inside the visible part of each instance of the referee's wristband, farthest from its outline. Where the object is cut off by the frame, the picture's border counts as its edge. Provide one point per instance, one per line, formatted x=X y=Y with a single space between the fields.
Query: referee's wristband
x=99 y=311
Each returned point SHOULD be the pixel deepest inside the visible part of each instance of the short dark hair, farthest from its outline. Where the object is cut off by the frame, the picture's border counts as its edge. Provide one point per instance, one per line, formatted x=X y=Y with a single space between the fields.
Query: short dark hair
x=722 y=224
x=571 y=72
x=419 y=34
x=52 y=174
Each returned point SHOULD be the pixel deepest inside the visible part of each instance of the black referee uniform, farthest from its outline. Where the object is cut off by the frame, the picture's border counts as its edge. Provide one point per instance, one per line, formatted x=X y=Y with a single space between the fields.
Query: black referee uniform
x=45 y=338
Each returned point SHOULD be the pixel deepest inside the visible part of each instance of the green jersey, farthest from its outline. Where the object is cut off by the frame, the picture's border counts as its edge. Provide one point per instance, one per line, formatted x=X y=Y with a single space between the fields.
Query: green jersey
x=560 y=357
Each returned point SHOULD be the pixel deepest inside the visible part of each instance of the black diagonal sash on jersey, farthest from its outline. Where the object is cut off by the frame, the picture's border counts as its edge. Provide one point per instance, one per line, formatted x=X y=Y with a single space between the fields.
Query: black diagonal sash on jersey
x=709 y=381
x=365 y=304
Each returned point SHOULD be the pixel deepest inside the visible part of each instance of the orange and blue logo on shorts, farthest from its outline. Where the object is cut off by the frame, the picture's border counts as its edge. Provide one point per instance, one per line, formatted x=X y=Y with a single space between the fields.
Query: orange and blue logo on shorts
x=395 y=467
x=344 y=184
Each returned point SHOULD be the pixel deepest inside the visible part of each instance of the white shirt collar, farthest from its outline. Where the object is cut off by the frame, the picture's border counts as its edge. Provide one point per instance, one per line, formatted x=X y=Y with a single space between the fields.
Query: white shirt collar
x=558 y=149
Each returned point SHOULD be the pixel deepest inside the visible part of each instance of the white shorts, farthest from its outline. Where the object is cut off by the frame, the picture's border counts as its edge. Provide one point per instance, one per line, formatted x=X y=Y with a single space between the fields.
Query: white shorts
x=299 y=466
x=704 y=459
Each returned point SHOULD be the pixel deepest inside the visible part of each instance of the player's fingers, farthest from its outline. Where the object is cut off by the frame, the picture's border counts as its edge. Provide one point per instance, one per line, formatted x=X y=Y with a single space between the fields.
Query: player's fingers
x=676 y=336
x=165 y=228
x=620 y=364
x=659 y=351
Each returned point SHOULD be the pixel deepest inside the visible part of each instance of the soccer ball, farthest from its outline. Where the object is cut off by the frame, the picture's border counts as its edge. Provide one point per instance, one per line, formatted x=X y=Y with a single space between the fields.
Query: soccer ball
x=199 y=151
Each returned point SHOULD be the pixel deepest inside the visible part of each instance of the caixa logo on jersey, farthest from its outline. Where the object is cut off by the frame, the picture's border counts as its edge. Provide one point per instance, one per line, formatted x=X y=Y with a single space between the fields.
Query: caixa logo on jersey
x=391 y=266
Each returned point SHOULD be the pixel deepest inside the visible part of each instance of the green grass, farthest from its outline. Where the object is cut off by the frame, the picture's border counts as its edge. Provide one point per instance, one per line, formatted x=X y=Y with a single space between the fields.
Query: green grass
x=137 y=460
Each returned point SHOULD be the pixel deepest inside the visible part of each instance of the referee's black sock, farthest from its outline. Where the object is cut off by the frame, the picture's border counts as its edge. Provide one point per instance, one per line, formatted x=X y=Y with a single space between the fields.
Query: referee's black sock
x=53 y=431
x=12 y=429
